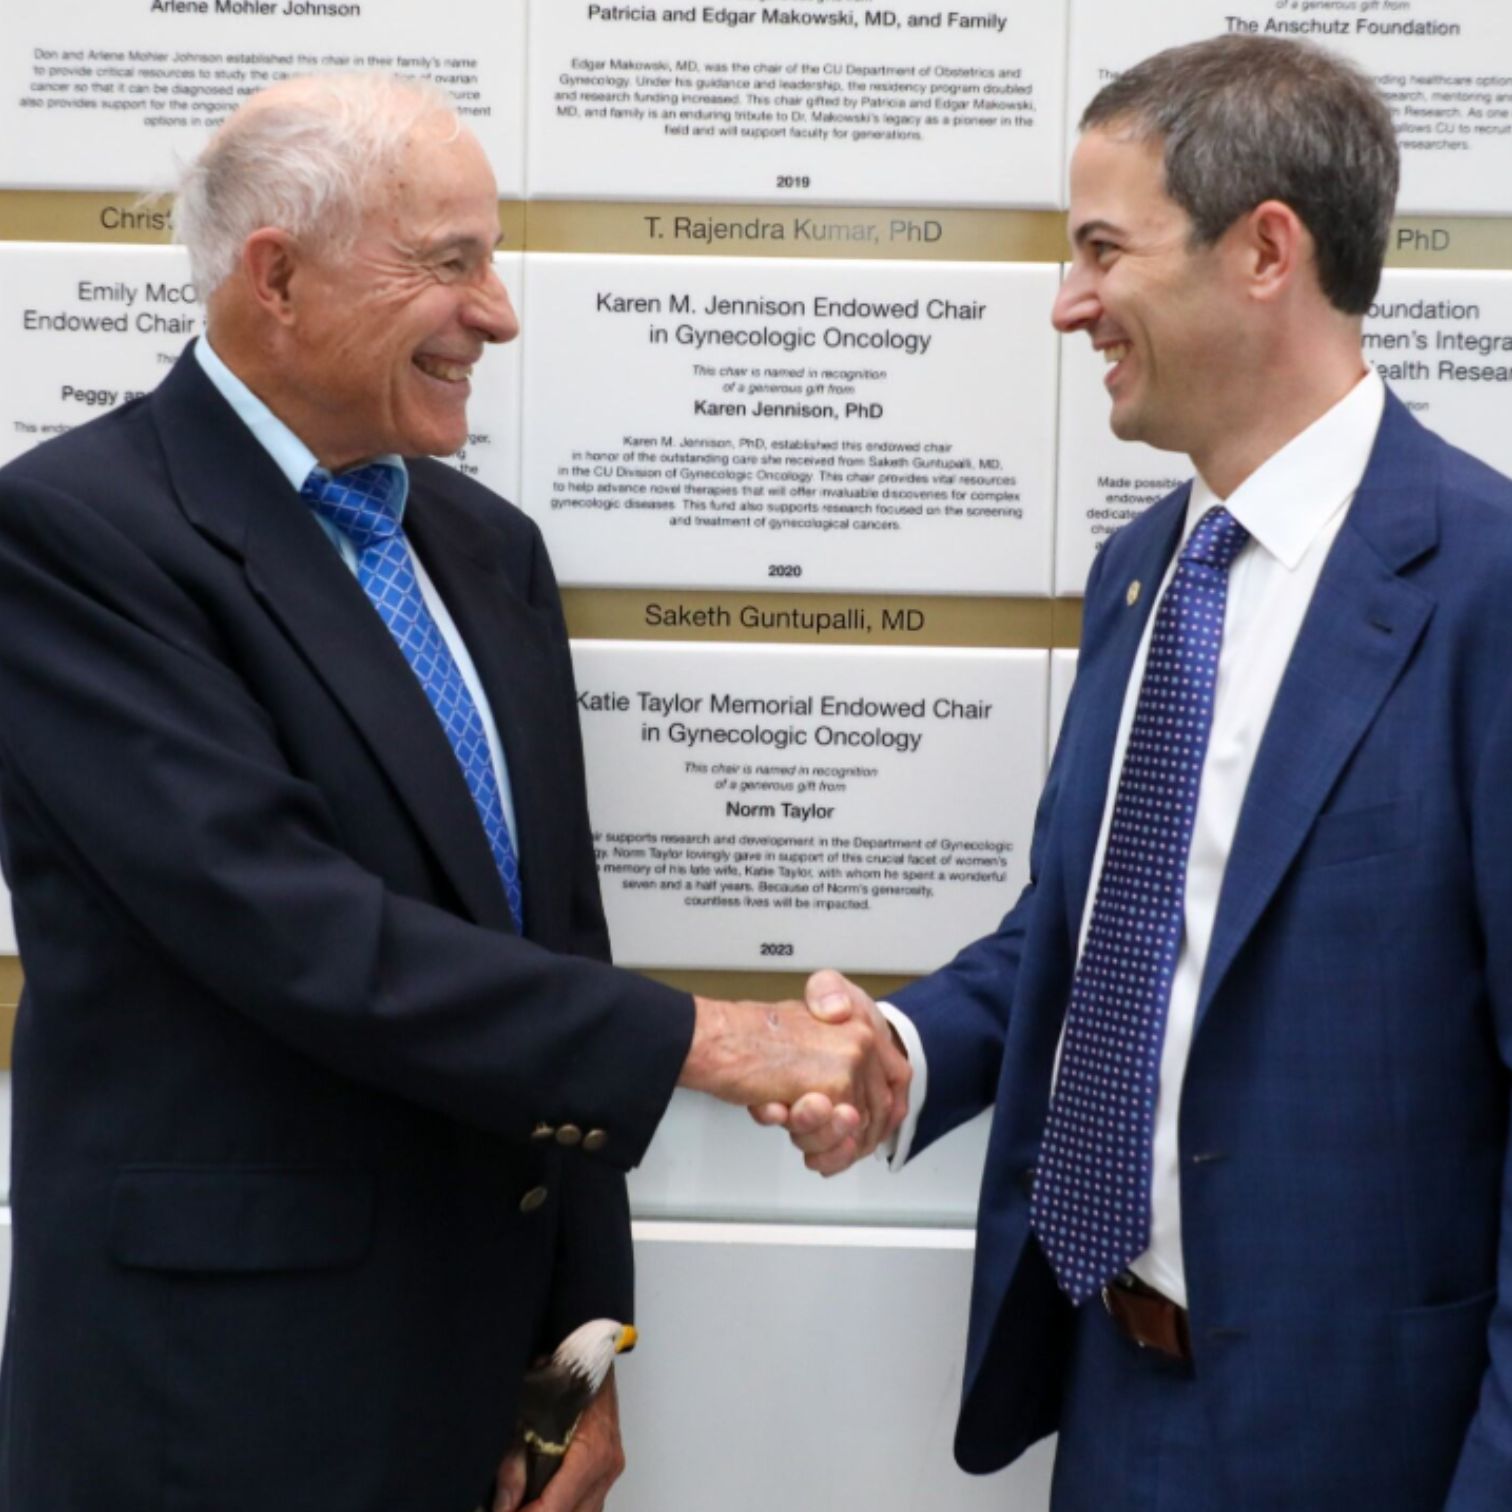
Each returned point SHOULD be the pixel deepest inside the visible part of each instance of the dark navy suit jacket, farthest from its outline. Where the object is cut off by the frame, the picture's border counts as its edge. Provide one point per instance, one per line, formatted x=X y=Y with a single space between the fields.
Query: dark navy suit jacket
x=282 y=1055
x=1346 y=1207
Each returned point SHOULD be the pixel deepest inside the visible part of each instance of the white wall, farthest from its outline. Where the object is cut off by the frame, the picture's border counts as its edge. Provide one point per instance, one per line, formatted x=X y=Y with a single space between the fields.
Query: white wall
x=811 y=1369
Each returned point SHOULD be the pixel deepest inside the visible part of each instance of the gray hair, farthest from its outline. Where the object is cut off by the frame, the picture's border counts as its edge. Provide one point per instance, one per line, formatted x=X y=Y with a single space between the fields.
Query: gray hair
x=1247 y=119
x=303 y=157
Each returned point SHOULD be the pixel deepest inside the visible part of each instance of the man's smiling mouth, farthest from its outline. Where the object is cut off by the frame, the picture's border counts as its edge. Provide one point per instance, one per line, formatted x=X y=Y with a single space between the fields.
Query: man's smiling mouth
x=439 y=367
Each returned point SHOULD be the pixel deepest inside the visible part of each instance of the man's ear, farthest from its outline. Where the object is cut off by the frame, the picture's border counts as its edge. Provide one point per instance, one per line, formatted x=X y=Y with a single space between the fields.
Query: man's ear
x=1276 y=247
x=271 y=262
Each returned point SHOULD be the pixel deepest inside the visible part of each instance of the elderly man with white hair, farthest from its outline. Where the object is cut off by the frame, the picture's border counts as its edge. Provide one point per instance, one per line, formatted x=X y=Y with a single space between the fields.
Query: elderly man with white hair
x=324 y=1089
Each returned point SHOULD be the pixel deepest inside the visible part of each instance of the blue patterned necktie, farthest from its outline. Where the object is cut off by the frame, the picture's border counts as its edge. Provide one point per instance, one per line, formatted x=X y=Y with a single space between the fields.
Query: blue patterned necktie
x=362 y=505
x=1091 y=1204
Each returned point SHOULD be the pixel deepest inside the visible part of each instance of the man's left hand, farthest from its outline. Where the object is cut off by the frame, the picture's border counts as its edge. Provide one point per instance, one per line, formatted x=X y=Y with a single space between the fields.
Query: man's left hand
x=594 y=1462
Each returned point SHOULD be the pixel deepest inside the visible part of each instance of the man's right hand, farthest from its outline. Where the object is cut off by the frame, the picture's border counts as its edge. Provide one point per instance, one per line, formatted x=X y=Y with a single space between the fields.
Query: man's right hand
x=783 y=1058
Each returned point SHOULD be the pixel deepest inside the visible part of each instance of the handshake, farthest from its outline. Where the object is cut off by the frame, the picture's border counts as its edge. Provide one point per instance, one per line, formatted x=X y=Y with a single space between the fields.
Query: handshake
x=829 y=1069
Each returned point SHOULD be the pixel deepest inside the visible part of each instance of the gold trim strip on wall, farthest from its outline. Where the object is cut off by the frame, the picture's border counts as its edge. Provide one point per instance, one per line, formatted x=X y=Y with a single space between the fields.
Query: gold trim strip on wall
x=118 y=216
x=766 y=986
x=1066 y=624
x=819 y=619
x=1481 y=244
x=124 y=217
x=513 y=219
x=10 y=996
x=806 y=231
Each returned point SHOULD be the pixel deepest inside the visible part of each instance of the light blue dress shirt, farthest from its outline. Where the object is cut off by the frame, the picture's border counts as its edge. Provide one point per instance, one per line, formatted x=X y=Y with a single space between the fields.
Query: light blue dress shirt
x=294 y=460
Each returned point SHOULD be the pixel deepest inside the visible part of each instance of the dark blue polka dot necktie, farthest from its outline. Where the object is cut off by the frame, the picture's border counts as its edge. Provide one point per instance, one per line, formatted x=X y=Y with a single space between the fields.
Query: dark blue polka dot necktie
x=363 y=506
x=1091 y=1203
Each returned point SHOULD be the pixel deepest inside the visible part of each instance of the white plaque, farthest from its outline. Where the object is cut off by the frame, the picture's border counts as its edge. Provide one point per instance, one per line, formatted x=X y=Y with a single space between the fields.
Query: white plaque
x=88 y=327
x=1443 y=342
x=1102 y=482
x=832 y=101
x=1444 y=66
x=103 y=94
x=766 y=423
x=1062 y=675
x=790 y=808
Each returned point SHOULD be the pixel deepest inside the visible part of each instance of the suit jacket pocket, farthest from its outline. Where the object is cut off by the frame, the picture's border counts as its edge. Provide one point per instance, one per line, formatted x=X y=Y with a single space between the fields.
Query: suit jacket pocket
x=240 y=1219
x=1442 y=1353
x=1356 y=833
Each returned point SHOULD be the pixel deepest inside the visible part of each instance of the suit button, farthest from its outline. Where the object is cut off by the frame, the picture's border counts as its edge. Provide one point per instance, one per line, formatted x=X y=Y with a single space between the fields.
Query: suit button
x=569 y=1134
x=532 y=1199
x=594 y=1140
x=1026 y=1181
x=542 y=1131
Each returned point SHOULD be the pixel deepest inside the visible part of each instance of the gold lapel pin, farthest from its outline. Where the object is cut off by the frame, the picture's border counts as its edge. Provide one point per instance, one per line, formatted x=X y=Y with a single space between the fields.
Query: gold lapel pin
x=1132 y=596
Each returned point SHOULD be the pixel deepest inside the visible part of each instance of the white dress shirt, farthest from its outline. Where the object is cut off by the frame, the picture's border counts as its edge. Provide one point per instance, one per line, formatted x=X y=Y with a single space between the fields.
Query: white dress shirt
x=295 y=460
x=1292 y=506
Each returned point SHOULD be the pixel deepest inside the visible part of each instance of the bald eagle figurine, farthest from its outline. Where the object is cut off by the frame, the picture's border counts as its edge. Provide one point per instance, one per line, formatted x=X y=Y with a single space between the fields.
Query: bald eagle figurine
x=556 y=1391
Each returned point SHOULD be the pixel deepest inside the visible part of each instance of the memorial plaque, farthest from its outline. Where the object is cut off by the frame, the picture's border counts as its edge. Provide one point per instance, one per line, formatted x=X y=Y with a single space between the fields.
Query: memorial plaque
x=780 y=807
x=88 y=327
x=1443 y=342
x=745 y=423
x=101 y=94
x=827 y=100
x=1445 y=67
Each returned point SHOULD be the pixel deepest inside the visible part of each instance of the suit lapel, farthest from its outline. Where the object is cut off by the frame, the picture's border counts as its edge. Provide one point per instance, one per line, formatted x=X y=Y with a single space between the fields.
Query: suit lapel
x=1358 y=636
x=233 y=492
x=1085 y=787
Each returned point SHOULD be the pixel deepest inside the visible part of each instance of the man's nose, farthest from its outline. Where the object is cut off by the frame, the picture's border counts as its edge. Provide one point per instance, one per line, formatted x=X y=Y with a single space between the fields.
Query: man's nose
x=490 y=312
x=1076 y=304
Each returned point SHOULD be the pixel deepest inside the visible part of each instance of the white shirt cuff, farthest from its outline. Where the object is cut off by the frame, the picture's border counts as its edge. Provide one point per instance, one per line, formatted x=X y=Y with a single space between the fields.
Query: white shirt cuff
x=895 y=1151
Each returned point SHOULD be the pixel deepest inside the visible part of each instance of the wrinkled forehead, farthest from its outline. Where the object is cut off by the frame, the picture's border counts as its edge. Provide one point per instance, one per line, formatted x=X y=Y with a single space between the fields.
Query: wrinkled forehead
x=439 y=188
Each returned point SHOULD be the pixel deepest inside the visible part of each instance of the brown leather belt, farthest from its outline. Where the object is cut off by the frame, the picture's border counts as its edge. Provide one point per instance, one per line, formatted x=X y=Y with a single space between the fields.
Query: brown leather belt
x=1151 y=1320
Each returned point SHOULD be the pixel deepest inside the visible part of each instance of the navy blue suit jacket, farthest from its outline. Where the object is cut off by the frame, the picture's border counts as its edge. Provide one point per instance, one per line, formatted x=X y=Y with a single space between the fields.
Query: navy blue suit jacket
x=282 y=1055
x=1346 y=1210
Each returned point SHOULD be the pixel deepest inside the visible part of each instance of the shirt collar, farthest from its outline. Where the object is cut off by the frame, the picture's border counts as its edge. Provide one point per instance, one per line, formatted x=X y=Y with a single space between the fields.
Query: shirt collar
x=292 y=457
x=1289 y=498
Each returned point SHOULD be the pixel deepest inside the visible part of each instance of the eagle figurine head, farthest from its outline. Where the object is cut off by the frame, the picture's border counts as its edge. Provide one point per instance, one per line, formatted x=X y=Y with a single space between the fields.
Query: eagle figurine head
x=557 y=1389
